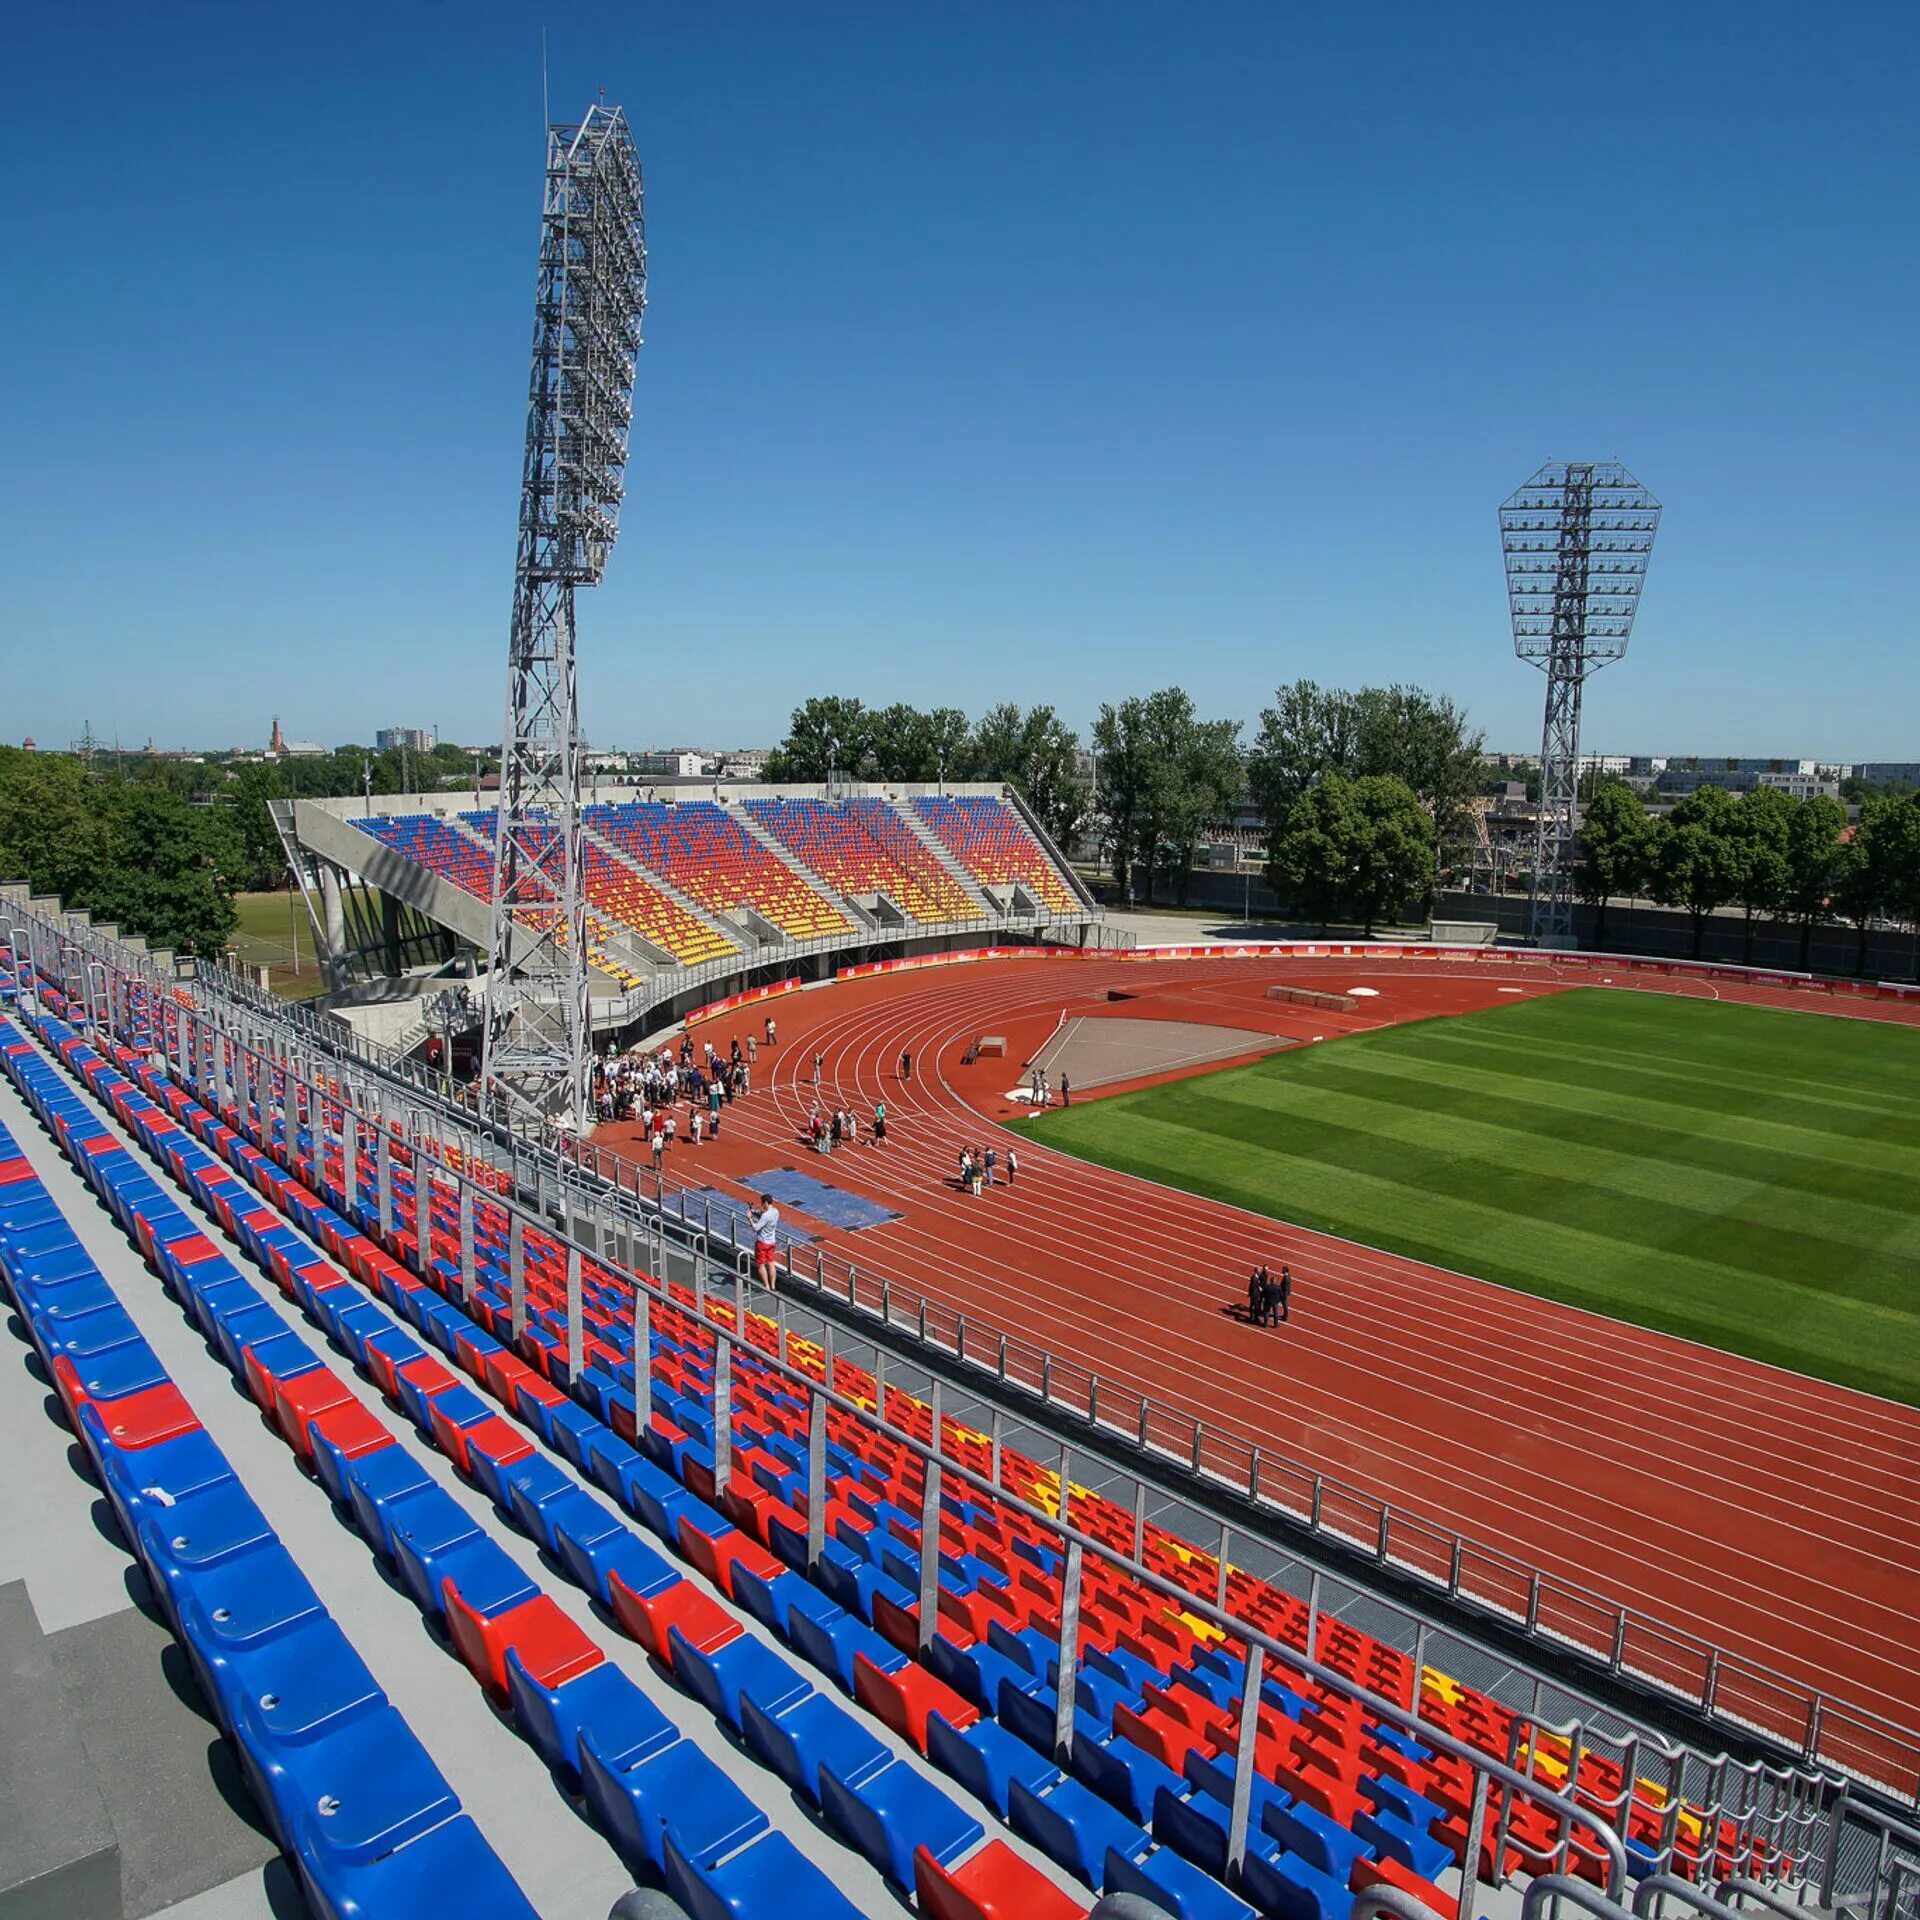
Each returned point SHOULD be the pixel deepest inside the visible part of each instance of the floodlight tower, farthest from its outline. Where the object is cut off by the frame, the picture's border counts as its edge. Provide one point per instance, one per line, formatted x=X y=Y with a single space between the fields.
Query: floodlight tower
x=590 y=294
x=1577 y=539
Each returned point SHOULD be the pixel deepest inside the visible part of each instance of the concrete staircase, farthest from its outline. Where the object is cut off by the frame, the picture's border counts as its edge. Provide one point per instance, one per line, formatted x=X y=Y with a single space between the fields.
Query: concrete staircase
x=947 y=858
x=858 y=914
x=661 y=884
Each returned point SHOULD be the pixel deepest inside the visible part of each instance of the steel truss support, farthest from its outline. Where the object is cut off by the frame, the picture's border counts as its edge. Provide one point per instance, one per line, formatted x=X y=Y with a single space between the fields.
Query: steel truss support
x=590 y=295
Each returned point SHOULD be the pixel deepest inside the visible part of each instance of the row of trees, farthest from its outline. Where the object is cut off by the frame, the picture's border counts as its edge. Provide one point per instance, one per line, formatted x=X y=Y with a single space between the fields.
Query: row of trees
x=1776 y=858
x=138 y=853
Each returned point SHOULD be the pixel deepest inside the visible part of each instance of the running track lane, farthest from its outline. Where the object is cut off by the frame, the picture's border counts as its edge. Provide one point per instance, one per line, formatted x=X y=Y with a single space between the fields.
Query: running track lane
x=1772 y=1514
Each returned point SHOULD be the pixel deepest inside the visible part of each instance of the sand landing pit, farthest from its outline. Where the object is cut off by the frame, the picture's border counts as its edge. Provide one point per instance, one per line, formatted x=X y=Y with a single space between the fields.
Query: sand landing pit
x=1313 y=997
x=1091 y=1050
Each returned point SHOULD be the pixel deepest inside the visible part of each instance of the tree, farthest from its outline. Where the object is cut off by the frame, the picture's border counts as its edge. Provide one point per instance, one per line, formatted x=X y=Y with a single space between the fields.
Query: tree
x=1393 y=858
x=1423 y=740
x=1398 y=732
x=1361 y=848
x=51 y=832
x=1695 y=860
x=1812 y=863
x=1119 y=783
x=1878 y=872
x=830 y=733
x=1763 y=818
x=171 y=871
x=266 y=860
x=1310 y=858
x=1614 y=844
x=1309 y=731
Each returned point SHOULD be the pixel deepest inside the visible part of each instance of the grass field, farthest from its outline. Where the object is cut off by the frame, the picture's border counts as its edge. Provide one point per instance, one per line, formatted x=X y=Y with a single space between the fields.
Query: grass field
x=1743 y=1176
x=273 y=933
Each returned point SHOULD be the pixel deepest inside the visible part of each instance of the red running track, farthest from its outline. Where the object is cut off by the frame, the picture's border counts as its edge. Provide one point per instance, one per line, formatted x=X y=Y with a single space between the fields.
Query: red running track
x=1771 y=1514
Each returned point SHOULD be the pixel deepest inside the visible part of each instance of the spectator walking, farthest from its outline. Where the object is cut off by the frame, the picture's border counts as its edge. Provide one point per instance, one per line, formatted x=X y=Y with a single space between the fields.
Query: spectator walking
x=693 y=1126
x=766 y=1242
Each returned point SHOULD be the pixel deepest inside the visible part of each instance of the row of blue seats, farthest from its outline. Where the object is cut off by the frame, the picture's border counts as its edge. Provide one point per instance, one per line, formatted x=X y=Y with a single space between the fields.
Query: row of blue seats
x=885 y=1807
x=348 y=1790
x=1100 y=1836
x=666 y=1806
x=1299 y=1861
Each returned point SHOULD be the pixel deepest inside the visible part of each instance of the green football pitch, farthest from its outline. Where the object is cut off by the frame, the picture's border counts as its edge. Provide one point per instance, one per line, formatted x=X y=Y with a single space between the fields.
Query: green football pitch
x=1743 y=1176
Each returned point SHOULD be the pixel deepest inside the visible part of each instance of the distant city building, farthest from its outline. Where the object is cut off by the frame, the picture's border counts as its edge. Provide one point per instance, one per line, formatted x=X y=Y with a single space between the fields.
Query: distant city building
x=279 y=747
x=679 y=763
x=406 y=739
x=1886 y=772
x=743 y=763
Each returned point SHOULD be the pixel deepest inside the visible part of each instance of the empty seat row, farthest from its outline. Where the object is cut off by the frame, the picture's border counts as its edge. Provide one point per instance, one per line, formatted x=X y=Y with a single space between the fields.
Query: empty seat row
x=701 y=848
x=861 y=846
x=716 y=1848
x=993 y=843
x=345 y=1786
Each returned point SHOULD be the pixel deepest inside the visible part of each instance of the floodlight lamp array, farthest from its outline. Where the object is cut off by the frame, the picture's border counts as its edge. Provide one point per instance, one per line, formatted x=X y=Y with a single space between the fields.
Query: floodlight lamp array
x=1576 y=539
x=589 y=303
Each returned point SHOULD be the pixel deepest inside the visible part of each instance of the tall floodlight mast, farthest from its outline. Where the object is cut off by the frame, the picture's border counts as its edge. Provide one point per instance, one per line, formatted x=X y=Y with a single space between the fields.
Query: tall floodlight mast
x=591 y=292
x=1577 y=539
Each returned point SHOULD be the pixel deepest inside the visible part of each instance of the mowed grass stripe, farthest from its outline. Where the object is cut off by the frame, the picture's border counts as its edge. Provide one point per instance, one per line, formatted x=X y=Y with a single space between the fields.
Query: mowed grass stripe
x=1517 y=1122
x=1511 y=1165
x=1766 y=1316
x=1698 y=1084
x=1550 y=1145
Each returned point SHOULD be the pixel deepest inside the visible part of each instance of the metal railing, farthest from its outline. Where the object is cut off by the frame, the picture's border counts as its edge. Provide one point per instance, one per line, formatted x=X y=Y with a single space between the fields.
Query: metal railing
x=1772 y=1815
x=257 y=1090
x=1743 y=1694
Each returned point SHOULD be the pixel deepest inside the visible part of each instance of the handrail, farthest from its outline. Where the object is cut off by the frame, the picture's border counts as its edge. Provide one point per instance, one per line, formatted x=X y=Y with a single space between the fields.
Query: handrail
x=1658 y=1888
x=1545 y=1892
x=461 y=1132
x=1738 y=1889
x=332 y=1091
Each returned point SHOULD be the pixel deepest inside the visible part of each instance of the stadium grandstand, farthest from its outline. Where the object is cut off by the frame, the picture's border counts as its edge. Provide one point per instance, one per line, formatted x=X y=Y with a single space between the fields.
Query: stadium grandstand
x=686 y=898
x=751 y=1600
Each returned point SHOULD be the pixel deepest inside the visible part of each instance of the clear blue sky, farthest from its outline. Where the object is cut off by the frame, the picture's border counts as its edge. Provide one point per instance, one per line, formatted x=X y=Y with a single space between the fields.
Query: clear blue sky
x=1040 y=351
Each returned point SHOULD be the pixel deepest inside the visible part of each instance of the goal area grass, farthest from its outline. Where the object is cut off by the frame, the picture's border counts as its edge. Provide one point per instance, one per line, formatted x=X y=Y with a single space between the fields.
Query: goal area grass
x=1748 y=1177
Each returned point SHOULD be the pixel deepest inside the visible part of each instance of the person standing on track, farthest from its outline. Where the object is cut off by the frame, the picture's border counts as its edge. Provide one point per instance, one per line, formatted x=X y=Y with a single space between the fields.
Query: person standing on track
x=1066 y=1091
x=906 y=1064
x=1013 y=1165
x=817 y=1058
x=766 y=1242
x=990 y=1160
x=771 y=1041
x=1257 y=1296
x=879 y=1123
x=1283 y=1293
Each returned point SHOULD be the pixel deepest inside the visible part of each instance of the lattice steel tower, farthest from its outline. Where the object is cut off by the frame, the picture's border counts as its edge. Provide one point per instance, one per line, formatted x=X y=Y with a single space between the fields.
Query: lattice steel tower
x=590 y=294
x=1577 y=539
